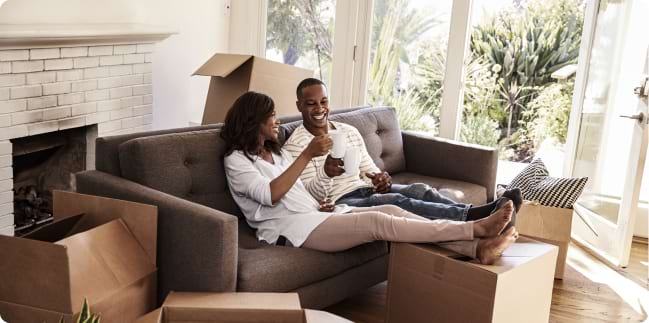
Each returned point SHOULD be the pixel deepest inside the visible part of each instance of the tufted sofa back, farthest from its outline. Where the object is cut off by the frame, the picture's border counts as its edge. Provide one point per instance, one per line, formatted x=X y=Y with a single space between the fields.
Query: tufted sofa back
x=188 y=163
x=380 y=130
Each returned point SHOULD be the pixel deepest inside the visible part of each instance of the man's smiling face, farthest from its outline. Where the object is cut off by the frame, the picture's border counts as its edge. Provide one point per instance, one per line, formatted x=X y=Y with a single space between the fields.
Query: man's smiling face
x=314 y=106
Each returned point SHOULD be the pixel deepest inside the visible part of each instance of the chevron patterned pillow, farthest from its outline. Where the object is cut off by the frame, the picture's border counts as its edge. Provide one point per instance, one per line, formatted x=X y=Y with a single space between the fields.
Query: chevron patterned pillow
x=536 y=185
x=529 y=177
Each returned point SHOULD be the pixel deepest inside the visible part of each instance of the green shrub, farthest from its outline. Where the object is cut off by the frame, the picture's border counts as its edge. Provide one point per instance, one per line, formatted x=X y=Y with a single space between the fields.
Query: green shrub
x=480 y=129
x=549 y=113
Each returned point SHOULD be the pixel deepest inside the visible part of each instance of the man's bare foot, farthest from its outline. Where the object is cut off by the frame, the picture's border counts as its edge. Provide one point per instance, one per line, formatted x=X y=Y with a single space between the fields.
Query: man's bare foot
x=492 y=225
x=490 y=249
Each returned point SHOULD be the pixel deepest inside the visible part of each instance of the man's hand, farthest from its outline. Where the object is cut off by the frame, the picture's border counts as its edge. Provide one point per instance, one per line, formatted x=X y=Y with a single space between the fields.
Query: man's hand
x=382 y=181
x=333 y=166
x=327 y=206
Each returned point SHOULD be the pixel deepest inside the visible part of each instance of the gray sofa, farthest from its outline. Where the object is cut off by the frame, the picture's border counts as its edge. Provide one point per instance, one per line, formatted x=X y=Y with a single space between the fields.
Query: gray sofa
x=205 y=245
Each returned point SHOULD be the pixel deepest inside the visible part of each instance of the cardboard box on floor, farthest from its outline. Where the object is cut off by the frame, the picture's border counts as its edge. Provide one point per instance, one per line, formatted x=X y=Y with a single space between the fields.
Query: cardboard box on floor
x=234 y=74
x=427 y=283
x=97 y=248
x=236 y=308
x=548 y=224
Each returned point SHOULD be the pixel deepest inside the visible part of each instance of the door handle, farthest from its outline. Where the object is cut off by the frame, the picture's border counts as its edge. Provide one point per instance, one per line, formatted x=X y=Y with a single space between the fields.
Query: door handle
x=639 y=116
x=643 y=90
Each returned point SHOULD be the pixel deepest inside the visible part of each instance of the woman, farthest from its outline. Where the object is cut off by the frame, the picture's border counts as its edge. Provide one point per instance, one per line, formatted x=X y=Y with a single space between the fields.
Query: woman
x=264 y=182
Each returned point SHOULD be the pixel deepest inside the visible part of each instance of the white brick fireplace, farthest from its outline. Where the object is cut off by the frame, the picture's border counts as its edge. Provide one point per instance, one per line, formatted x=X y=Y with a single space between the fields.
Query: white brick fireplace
x=54 y=78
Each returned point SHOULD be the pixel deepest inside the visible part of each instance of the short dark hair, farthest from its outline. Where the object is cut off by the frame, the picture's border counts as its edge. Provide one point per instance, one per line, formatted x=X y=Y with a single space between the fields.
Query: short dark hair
x=242 y=124
x=306 y=83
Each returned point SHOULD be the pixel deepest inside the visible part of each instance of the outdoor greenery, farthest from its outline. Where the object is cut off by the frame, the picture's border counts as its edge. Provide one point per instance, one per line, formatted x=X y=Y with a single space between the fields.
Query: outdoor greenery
x=298 y=28
x=508 y=84
x=510 y=99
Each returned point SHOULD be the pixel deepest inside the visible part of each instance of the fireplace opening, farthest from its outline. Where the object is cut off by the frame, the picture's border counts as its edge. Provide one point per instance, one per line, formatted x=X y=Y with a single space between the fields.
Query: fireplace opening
x=41 y=164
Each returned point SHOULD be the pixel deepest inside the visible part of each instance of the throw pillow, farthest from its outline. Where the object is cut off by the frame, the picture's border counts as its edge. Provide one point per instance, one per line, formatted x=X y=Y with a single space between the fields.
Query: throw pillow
x=559 y=192
x=536 y=185
x=529 y=177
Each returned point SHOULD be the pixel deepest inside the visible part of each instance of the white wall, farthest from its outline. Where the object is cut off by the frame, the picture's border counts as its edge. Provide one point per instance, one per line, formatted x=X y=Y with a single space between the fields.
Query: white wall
x=202 y=27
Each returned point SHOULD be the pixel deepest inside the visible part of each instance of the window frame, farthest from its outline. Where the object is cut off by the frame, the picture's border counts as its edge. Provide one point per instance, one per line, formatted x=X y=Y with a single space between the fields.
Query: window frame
x=351 y=48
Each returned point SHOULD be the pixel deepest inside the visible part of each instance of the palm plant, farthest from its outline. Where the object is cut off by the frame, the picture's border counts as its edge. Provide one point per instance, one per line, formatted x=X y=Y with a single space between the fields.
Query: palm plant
x=396 y=27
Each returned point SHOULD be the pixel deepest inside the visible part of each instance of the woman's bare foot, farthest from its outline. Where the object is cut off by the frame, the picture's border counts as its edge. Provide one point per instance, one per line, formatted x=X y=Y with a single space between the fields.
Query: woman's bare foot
x=492 y=225
x=490 y=249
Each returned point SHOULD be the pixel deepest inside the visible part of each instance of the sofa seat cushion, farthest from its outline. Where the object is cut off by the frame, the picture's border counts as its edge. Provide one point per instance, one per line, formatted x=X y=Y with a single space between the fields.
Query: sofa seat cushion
x=462 y=192
x=271 y=268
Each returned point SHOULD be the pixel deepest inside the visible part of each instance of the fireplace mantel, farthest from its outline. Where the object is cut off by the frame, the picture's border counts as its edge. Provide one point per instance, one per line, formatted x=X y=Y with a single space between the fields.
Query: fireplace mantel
x=58 y=77
x=59 y=35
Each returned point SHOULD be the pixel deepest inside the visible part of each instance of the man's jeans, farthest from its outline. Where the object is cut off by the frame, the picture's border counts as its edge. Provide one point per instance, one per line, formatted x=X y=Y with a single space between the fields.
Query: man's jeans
x=417 y=198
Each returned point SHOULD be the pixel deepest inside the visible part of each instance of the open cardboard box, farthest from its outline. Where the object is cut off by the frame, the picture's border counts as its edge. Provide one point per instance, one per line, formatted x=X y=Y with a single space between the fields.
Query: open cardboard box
x=548 y=224
x=236 y=308
x=234 y=74
x=228 y=307
x=97 y=248
x=427 y=283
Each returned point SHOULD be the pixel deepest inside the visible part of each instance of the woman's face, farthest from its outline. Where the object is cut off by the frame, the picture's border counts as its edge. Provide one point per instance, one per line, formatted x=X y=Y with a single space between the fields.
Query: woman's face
x=270 y=128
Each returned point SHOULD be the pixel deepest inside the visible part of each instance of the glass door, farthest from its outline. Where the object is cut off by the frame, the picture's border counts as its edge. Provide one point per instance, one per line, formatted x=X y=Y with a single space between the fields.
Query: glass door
x=611 y=125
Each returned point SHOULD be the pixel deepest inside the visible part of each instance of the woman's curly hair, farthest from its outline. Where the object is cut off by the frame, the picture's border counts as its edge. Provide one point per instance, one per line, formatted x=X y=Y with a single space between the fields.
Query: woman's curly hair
x=243 y=122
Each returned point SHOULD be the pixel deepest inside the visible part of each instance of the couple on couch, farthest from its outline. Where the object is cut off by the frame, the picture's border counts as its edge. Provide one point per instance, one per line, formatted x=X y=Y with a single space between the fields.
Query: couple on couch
x=287 y=193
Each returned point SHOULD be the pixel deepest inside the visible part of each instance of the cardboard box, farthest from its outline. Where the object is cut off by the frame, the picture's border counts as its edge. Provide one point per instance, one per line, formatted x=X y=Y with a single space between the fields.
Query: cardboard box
x=427 y=283
x=234 y=74
x=548 y=224
x=97 y=248
x=228 y=307
x=236 y=307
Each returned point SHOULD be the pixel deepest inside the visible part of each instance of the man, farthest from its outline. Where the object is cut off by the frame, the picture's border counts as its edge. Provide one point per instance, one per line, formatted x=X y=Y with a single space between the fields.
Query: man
x=326 y=180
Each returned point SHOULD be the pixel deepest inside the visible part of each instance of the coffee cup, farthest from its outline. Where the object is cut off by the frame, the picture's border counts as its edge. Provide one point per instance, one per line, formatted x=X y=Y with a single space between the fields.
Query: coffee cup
x=338 y=139
x=352 y=161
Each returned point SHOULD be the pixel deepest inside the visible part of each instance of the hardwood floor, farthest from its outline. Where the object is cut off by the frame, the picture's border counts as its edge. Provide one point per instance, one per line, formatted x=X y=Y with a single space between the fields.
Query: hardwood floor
x=589 y=292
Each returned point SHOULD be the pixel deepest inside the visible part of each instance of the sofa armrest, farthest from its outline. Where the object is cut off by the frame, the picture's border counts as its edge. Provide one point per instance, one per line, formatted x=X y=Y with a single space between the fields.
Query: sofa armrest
x=443 y=158
x=197 y=245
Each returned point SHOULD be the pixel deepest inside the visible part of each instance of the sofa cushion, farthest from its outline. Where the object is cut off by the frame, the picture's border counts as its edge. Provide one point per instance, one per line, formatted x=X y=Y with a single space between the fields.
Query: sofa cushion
x=188 y=165
x=462 y=192
x=380 y=130
x=282 y=269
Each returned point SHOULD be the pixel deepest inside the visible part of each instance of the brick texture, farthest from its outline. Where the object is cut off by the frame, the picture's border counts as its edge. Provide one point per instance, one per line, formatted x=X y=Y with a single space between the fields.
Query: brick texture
x=49 y=89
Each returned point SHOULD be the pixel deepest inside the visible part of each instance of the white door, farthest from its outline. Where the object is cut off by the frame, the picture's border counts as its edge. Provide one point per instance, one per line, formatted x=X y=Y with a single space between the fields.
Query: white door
x=608 y=127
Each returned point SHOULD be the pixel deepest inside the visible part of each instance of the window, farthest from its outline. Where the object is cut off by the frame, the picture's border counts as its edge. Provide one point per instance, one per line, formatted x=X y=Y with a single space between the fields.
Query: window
x=520 y=75
x=409 y=41
x=300 y=33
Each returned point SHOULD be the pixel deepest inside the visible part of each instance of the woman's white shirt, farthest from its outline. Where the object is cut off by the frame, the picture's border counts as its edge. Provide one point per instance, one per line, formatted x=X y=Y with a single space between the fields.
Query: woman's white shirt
x=294 y=216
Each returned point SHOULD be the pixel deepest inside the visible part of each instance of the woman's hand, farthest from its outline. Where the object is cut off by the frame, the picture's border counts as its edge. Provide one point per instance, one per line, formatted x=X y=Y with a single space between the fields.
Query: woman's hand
x=327 y=206
x=319 y=146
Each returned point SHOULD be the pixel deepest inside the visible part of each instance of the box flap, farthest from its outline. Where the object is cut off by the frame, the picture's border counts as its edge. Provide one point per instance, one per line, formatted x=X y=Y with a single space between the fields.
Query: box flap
x=275 y=301
x=141 y=219
x=42 y=286
x=151 y=317
x=545 y=222
x=279 y=81
x=232 y=307
x=103 y=260
x=222 y=64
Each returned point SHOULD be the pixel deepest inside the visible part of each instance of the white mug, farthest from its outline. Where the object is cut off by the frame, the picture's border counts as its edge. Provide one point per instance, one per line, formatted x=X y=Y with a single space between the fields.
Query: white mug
x=352 y=161
x=338 y=148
